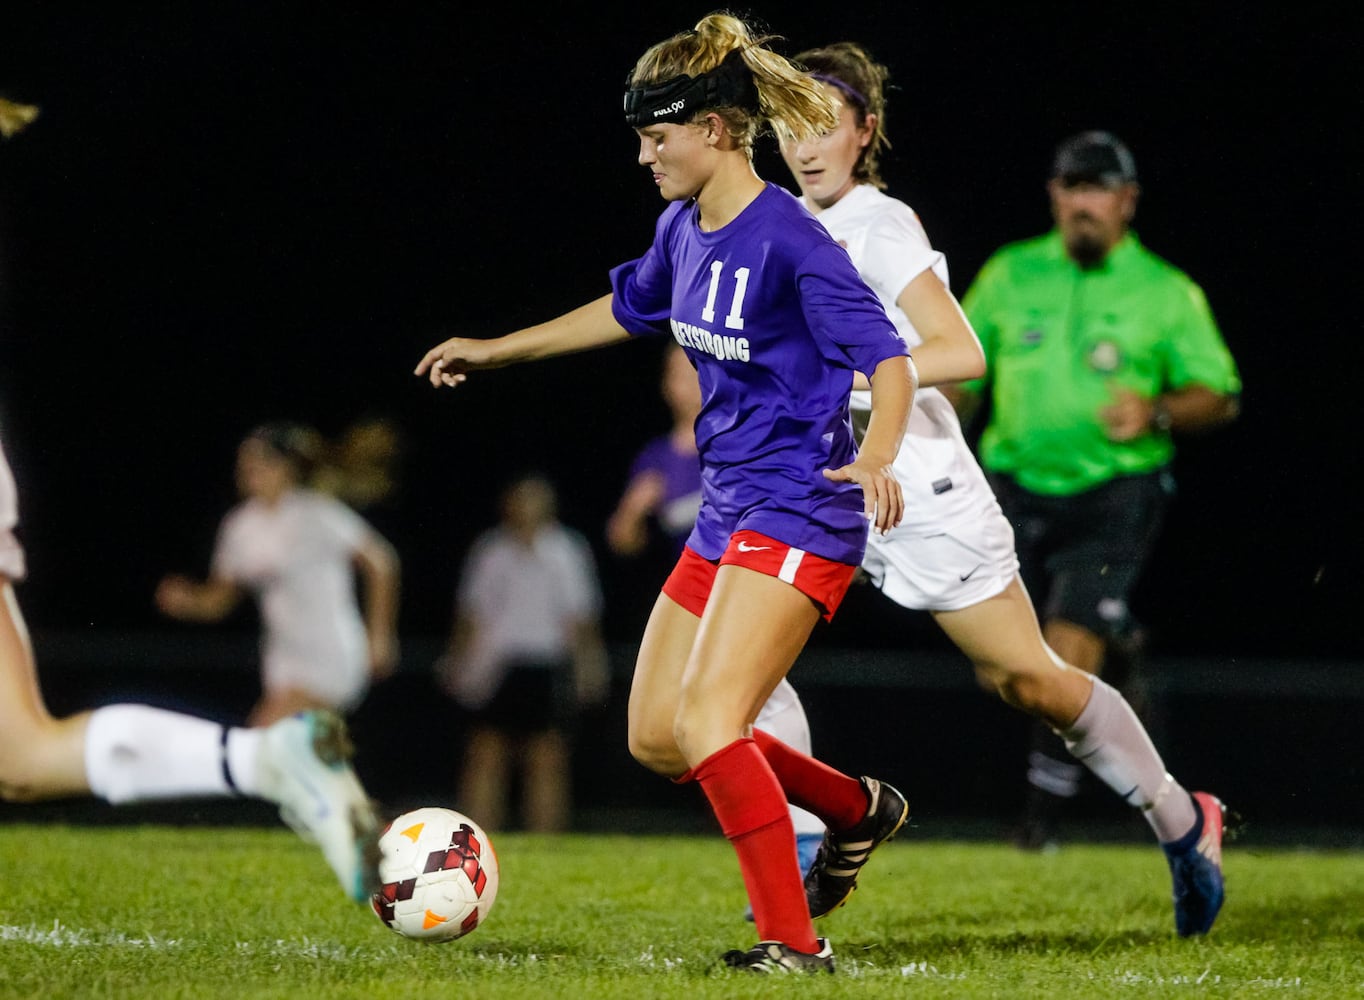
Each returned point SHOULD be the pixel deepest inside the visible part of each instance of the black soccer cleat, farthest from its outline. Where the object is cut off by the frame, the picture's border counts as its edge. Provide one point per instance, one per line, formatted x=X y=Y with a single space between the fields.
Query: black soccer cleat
x=769 y=957
x=841 y=857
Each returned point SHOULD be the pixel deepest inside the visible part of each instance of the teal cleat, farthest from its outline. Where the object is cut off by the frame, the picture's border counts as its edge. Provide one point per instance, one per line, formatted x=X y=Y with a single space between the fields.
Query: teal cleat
x=305 y=769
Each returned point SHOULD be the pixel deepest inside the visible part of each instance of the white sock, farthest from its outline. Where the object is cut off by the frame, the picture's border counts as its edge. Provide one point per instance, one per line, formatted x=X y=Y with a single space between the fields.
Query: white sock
x=783 y=716
x=243 y=754
x=1110 y=740
x=136 y=753
x=1055 y=777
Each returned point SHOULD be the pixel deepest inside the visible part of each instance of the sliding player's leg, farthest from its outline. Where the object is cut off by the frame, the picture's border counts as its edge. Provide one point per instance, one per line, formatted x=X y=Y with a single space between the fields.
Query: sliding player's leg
x=135 y=753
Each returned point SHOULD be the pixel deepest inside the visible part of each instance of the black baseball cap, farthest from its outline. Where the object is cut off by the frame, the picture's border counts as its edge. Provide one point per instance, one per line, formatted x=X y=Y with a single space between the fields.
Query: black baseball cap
x=1094 y=158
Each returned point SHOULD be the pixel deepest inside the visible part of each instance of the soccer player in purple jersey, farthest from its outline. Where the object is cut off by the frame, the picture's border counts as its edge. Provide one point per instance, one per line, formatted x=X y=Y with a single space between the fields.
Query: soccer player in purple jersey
x=665 y=486
x=776 y=320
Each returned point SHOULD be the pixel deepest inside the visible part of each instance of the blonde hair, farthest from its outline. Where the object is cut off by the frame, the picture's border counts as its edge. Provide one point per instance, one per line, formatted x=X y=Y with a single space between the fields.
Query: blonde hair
x=793 y=105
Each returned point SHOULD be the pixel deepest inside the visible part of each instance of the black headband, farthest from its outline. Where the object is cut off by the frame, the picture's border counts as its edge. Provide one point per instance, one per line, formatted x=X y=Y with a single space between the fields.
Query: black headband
x=728 y=85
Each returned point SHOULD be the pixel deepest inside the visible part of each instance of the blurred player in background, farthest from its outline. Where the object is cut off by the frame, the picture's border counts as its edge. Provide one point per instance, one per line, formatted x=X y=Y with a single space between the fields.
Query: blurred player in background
x=525 y=655
x=776 y=320
x=135 y=753
x=953 y=554
x=127 y=753
x=664 y=488
x=1098 y=350
x=297 y=551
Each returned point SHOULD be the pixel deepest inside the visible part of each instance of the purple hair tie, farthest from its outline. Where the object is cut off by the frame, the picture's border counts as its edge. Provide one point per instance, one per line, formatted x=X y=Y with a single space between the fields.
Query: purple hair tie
x=847 y=89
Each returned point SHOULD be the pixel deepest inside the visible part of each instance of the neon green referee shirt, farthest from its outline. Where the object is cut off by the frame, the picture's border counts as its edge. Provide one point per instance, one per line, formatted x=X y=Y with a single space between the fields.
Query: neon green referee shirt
x=1058 y=339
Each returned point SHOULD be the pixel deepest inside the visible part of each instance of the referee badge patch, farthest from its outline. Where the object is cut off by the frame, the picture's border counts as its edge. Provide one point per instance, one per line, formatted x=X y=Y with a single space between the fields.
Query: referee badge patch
x=1105 y=356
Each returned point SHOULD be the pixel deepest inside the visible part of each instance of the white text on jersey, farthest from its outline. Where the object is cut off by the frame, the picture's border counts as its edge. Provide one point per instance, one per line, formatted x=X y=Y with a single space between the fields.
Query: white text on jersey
x=701 y=339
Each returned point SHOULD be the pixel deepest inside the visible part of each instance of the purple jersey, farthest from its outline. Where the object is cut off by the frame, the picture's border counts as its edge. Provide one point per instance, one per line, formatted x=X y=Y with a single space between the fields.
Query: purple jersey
x=776 y=319
x=680 y=472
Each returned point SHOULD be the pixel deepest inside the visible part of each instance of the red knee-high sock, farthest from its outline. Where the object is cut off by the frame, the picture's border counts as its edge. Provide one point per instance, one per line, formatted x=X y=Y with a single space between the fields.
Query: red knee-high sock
x=748 y=802
x=814 y=786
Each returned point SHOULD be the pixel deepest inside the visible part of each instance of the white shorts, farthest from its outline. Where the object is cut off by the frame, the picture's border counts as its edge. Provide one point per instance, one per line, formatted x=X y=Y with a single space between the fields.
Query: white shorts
x=11 y=552
x=783 y=716
x=963 y=565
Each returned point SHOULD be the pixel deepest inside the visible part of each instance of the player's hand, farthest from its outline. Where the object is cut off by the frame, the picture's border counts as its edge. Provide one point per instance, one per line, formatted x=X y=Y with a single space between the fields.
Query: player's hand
x=1127 y=417
x=448 y=363
x=383 y=656
x=175 y=596
x=883 y=502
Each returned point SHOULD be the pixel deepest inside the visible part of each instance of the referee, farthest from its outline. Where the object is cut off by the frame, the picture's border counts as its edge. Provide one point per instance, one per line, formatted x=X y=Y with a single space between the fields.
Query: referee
x=1098 y=352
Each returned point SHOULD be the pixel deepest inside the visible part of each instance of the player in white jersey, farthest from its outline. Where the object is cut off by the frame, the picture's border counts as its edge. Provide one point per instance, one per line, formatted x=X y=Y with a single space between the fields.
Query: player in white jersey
x=953 y=552
x=134 y=753
x=296 y=550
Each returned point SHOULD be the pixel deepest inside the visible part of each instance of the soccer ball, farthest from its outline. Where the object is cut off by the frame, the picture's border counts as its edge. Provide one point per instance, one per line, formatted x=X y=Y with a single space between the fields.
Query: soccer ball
x=439 y=875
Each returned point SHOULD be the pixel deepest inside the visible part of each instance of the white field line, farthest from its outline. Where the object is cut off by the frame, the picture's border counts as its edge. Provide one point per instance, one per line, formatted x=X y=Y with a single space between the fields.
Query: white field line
x=58 y=936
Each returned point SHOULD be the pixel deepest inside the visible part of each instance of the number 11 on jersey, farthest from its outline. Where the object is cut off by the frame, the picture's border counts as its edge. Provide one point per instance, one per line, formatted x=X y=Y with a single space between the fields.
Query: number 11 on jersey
x=735 y=319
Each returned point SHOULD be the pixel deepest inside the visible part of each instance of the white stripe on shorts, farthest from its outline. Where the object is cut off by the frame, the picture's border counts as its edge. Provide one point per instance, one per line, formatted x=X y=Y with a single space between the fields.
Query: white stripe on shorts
x=790 y=564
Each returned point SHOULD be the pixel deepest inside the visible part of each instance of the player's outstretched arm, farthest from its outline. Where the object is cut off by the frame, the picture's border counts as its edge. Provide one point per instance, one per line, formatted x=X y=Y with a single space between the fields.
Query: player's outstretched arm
x=584 y=328
x=188 y=600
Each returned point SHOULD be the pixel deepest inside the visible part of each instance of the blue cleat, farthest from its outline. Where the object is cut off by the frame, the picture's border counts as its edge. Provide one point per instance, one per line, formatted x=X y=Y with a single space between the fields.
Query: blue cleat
x=1196 y=867
x=807 y=849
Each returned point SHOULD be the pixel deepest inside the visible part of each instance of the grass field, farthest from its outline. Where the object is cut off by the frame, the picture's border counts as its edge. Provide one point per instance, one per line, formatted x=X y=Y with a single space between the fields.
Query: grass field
x=201 y=912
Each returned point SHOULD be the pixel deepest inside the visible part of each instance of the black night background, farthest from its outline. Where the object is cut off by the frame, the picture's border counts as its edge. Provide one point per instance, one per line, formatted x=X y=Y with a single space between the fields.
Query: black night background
x=229 y=213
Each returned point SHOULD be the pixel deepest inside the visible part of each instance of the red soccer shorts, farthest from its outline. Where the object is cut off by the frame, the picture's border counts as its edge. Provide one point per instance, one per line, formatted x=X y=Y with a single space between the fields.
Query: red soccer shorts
x=822 y=580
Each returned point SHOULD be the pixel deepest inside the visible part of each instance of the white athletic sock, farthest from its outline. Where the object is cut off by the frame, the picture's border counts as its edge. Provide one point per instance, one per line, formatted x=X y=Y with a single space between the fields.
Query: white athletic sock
x=1055 y=777
x=243 y=755
x=1110 y=740
x=783 y=716
x=136 y=753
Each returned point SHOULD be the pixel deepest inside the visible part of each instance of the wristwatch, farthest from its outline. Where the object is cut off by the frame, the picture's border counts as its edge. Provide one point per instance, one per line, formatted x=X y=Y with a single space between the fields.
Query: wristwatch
x=1161 y=419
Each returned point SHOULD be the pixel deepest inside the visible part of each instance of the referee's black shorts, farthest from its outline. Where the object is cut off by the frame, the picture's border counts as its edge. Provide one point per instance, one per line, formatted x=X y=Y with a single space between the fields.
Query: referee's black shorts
x=1081 y=555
